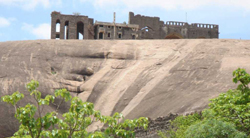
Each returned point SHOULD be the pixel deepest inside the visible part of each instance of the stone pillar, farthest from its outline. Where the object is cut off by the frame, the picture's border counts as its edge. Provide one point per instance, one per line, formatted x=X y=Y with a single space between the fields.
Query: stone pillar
x=85 y=31
x=114 y=27
x=53 y=29
x=72 y=30
x=54 y=17
x=62 y=23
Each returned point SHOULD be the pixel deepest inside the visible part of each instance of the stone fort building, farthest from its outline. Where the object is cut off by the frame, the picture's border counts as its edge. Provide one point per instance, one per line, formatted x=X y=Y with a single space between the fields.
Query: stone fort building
x=138 y=27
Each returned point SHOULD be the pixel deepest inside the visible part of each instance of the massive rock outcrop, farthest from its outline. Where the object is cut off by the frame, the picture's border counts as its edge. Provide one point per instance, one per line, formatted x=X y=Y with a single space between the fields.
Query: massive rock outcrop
x=138 y=78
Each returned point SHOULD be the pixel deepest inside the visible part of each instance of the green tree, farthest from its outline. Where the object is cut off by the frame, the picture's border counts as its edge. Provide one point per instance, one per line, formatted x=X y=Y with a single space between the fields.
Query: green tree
x=234 y=105
x=213 y=129
x=73 y=123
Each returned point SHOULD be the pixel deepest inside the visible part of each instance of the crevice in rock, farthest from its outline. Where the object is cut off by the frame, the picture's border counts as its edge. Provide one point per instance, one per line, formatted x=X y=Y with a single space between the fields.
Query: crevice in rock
x=3 y=76
x=53 y=71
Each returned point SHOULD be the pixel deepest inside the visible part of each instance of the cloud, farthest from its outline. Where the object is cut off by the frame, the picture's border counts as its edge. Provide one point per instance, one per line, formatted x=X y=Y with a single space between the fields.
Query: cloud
x=169 y=4
x=30 y=4
x=41 y=31
x=4 y=22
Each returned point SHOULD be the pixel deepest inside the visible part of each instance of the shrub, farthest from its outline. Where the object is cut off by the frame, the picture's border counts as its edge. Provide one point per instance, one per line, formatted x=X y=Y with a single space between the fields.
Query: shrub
x=213 y=129
x=179 y=125
x=234 y=105
x=73 y=123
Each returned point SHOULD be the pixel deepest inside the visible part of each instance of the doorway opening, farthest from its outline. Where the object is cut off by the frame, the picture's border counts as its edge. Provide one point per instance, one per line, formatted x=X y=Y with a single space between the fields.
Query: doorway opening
x=101 y=35
x=80 y=30
x=120 y=36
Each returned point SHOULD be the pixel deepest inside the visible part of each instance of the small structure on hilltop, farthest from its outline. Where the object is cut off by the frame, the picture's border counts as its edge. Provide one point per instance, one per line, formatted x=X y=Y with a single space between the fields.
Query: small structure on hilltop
x=138 y=27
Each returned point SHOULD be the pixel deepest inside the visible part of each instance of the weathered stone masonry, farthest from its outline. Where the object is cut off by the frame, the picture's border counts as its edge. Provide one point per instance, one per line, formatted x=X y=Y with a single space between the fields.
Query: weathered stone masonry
x=156 y=29
x=138 y=27
x=70 y=26
x=105 y=30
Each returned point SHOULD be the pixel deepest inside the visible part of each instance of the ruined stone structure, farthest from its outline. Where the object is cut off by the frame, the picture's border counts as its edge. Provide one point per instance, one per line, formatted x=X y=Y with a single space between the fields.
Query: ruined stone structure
x=71 y=26
x=138 y=27
x=104 y=30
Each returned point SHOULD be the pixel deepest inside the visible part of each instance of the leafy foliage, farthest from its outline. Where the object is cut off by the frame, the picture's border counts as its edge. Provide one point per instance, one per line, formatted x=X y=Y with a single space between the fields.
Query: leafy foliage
x=240 y=75
x=234 y=106
x=33 y=124
x=213 y=129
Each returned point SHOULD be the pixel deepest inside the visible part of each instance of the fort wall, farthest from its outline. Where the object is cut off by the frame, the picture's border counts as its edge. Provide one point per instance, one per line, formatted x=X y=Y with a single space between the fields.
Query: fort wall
x=138 y=27
x=198 y=30
x=192 y=31
x=153 y=23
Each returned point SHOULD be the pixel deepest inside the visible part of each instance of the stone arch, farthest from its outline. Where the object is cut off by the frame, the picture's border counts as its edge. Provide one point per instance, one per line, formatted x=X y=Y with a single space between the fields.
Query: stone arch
x=80 y=30
x=147 y=32
x=174 y=36
x=147 y=28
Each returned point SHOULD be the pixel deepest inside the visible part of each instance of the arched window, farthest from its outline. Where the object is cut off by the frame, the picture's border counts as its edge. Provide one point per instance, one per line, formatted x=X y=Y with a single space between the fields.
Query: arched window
x=58 y=24
x=147 y=29
x=80 y=30
x=66 y=30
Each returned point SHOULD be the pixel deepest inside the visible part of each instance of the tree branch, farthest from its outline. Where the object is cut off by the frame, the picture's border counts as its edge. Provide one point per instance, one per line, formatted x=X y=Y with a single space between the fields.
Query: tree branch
x=59 y=105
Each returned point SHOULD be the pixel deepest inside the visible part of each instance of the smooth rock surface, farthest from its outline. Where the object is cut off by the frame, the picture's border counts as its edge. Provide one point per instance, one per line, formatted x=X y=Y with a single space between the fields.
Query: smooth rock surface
x=136 y=77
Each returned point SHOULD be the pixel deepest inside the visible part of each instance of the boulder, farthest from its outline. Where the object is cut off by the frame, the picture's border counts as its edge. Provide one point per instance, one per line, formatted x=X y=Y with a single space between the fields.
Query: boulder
x=148 y=78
